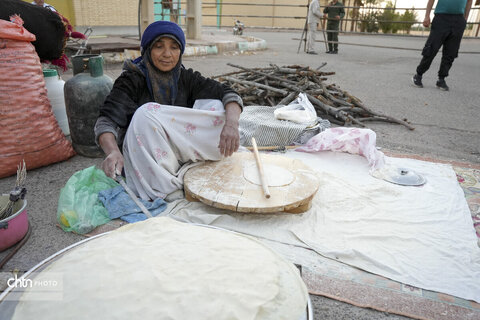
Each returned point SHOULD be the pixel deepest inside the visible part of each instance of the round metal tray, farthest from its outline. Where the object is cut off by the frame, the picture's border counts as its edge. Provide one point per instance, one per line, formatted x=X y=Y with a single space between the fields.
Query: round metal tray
x=8 y=305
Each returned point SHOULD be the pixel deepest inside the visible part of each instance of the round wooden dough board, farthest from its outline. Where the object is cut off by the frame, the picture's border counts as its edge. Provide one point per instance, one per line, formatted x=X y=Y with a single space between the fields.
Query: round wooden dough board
x=223 y=184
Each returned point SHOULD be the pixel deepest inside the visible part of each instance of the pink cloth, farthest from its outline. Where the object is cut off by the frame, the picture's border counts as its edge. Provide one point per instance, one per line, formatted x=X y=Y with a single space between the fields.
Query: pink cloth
x=351 y=140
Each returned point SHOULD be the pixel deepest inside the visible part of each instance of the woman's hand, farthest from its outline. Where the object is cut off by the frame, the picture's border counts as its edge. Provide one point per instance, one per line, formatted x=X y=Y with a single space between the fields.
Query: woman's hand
x=229 y=137
x=112 y=165
x=114 y=161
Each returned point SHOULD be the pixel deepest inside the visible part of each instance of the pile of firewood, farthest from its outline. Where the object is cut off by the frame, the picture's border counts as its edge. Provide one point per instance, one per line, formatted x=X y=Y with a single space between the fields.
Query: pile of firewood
x=276 y=85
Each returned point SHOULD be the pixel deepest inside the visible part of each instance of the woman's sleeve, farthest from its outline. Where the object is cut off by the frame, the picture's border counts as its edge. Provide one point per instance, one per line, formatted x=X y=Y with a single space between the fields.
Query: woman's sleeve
x=119 y=106
x=205 y=88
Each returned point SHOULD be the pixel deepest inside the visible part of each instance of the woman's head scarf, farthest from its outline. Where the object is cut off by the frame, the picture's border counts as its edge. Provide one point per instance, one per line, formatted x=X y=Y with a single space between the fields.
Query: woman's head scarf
x=162 y=27
x=163 y=86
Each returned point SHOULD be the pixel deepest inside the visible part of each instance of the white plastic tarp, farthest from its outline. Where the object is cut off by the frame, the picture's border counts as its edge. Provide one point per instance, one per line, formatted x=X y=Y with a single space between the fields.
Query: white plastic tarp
x=421 y=236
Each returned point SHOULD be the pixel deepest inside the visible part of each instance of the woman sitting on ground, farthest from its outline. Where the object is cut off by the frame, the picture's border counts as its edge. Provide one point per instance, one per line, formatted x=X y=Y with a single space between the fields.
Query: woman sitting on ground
x=151 y=112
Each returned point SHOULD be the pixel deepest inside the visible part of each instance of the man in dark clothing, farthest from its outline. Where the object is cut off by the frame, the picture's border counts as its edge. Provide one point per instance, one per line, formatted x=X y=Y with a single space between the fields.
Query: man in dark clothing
x=447 y=30
x=333 y=13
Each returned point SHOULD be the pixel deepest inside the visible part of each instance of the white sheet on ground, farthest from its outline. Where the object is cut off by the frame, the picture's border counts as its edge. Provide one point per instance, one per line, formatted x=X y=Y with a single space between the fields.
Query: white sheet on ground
x=421 y=236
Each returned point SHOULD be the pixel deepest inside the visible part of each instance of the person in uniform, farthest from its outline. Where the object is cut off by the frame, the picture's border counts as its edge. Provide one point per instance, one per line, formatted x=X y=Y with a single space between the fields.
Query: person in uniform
x=334 y=12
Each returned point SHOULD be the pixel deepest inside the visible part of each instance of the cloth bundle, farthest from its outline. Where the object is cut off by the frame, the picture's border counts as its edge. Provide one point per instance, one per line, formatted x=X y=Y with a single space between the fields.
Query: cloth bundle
x=119 y=205
x=260 y=122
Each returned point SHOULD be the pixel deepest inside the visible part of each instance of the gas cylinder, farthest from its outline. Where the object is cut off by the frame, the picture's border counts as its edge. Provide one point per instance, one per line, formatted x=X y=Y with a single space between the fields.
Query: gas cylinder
x=55 y=86
x=84 y=93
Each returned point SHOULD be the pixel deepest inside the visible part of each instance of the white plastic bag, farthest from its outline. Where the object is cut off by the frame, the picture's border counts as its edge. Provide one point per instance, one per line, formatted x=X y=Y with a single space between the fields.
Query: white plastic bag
x=300 y=111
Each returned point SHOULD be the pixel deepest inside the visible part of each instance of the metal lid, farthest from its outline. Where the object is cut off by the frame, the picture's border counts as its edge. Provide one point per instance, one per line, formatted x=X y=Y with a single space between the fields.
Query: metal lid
x=405 y=177
x=50 y=73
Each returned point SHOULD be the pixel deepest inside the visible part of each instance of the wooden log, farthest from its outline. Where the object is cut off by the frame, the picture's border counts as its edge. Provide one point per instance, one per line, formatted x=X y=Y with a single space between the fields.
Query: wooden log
x=353 y=109
x=327 y=94
x=334 y=120
x=263 y=73
x=374 y=118
x=289 y=98
x=302 y=71
x=237 y=72
x=314 y=92
x=270 y=101
x=225 y=74
x=333 y=111
x=324 y=100
x=276 y=85
x=249 y=99
x=358 y=103
x=321 y=66
x=255 y=84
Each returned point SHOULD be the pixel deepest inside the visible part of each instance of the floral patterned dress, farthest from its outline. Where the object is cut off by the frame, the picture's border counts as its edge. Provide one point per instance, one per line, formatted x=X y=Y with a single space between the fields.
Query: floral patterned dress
x=163 y=142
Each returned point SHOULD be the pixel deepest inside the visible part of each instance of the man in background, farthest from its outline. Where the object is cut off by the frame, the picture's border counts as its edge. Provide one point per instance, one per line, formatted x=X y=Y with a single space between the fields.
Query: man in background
x=334 y=13
x=43 y=4
x=313 y=18
x=447 y=30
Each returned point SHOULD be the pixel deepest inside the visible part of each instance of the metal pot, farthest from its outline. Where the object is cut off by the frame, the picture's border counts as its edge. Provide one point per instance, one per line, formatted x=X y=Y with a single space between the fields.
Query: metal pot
x=13 y=228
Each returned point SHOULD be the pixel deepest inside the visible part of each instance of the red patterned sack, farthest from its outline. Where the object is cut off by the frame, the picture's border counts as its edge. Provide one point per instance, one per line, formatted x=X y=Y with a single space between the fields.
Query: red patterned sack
x=28 y=128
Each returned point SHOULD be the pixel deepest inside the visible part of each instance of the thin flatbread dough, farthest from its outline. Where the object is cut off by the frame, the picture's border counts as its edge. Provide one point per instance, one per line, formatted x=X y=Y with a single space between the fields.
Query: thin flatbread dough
x=164 y=269
x=276 y=176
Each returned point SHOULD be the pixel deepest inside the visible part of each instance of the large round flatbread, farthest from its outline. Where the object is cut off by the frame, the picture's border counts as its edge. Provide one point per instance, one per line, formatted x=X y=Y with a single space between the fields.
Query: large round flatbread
x=164 y=269
x=275 y=176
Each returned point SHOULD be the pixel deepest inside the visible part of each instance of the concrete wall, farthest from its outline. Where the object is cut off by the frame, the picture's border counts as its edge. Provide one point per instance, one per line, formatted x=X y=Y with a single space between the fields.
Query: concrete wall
x=120 y=16
x=296 y=13
x=124 y=13
x=65 y=7
x=106 y=13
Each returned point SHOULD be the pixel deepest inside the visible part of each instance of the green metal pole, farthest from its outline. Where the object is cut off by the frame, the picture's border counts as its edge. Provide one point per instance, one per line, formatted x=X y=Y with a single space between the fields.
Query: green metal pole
x=219 y=12
x=179 y=15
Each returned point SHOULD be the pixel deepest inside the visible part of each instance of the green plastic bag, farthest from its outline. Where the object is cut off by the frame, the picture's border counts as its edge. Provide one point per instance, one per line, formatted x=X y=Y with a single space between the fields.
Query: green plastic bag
x=79 y=209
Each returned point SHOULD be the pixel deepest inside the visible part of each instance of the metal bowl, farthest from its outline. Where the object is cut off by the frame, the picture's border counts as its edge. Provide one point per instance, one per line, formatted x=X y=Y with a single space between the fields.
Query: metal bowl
x=13 y=228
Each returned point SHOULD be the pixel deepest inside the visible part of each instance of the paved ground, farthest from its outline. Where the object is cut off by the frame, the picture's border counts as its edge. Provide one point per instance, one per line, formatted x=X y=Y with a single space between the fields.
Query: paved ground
x=447 y=124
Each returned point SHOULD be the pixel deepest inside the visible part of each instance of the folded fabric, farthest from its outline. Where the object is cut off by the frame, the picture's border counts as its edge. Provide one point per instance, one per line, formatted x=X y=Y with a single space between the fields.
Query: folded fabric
x=119 y=205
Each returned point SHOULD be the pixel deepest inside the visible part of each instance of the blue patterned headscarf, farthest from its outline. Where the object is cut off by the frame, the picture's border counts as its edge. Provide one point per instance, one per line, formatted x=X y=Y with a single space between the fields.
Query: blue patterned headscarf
x=163 y=86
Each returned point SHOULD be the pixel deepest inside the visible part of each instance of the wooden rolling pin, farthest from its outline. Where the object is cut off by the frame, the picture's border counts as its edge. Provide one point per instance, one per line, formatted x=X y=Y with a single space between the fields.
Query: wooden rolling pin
x=263 y=179
x=273 y=148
